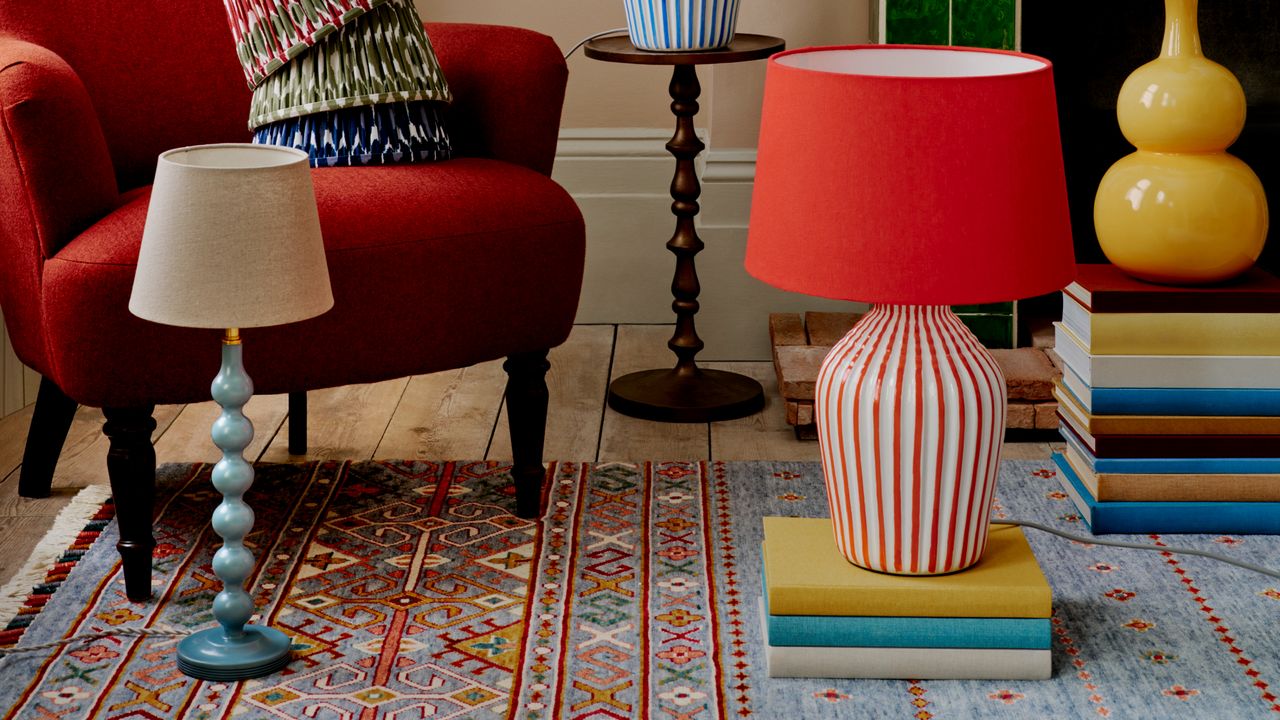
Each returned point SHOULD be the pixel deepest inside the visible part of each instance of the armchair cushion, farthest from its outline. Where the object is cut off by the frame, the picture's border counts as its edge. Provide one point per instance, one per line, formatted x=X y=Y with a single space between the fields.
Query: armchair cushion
x=494 y=260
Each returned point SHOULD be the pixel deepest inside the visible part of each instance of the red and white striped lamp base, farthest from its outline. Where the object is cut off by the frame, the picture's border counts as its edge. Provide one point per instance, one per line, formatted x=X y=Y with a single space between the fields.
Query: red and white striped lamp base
x=910 y=410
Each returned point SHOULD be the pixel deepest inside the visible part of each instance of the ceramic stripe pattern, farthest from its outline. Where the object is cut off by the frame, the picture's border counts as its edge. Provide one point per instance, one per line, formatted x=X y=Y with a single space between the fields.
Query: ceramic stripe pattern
x=681 y=25
x=385 y=57
x=910 y=411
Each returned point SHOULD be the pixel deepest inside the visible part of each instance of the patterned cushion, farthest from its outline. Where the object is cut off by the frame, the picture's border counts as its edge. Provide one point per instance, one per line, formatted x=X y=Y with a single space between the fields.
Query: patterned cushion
x=270 y=33
x=400 y=132
x=383 y=57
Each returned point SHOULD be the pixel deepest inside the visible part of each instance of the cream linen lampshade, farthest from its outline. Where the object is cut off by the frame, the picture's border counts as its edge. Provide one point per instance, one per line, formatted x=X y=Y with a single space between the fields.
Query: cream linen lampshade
x=232 y=240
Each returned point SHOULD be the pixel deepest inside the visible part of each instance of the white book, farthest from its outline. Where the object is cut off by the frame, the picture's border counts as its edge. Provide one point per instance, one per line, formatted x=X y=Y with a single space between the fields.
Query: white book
x=1165 y=371
x=904 y=663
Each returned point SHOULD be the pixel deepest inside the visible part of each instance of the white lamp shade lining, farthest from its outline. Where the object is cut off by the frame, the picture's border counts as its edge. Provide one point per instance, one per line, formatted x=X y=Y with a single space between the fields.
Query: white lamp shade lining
x=913 y=62
x=232 y=239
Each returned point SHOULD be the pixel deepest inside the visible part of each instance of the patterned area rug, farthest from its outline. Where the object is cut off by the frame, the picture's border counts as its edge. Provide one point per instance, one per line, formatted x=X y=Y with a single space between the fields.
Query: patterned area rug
x=411 y=592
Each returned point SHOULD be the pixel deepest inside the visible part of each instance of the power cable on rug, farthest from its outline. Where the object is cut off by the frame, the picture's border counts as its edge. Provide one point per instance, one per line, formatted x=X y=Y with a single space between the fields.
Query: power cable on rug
x=1142 y=546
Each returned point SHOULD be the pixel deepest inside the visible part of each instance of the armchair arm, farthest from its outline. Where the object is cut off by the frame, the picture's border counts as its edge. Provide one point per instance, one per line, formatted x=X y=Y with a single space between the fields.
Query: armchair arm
x=56 y=176
x=56 y=179
x=508 y=88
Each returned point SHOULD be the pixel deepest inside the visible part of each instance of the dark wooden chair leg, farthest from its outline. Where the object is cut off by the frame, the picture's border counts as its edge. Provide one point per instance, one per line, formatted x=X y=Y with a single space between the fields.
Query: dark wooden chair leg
x=527 y=420
x=298 y=423
x=131 y=466
x=50 y=422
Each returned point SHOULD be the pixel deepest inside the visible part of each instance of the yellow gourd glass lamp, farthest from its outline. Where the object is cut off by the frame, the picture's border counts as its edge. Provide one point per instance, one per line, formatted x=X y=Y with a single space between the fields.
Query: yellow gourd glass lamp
x=1180 y=210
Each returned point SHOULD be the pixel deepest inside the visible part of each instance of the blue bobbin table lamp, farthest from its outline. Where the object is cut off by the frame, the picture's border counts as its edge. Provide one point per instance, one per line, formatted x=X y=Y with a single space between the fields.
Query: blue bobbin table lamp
x=232 y=240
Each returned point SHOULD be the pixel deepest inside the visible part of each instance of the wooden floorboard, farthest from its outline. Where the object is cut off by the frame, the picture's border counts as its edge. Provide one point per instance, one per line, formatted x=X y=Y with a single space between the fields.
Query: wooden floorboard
x=20 y=535
x=13 y=437
x=446 y=415
x=187 y=439
x=764 y=435
x=343 y=423
x=1025 y=451
x=576 y=384
x=644 y=347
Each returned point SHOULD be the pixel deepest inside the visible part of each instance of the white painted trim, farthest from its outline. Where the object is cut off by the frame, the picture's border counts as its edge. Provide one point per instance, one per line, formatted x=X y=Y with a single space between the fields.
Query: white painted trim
x=730 y=165
x=613 y=142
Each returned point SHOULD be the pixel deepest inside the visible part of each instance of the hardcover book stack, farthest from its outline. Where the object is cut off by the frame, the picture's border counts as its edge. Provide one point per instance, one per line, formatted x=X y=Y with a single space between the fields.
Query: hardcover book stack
x=823 y=616
x=1170 y=404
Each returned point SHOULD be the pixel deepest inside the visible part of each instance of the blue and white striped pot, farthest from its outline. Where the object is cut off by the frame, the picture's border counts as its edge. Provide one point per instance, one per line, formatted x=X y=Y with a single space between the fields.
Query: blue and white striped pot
x=681 y=25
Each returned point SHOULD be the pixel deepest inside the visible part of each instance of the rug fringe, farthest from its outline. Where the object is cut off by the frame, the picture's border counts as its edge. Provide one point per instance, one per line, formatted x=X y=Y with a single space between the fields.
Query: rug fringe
x=66 y=527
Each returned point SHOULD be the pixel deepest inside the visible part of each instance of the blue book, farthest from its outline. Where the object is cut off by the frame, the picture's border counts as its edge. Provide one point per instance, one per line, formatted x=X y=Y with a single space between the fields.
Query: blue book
x=1172 y=401
x=907 y=632
x=1171 y=466
x=1129 y=518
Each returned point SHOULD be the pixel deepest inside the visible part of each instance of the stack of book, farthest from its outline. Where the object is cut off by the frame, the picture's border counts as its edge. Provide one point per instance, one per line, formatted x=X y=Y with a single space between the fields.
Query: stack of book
x=822 y=616
x=1170 y=404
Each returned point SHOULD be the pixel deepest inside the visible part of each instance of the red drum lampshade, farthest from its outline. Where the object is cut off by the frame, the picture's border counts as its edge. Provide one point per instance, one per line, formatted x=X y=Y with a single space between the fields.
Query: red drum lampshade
x=913 y=178
x=881 y=179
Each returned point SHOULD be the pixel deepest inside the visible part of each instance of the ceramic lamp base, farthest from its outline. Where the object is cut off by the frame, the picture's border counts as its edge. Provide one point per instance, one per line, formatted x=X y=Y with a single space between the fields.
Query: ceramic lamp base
x=213 y=655
x=910 y=409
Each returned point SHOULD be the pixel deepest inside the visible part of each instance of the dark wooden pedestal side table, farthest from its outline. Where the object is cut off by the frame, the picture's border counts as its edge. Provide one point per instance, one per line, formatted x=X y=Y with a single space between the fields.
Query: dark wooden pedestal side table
x=685 y=393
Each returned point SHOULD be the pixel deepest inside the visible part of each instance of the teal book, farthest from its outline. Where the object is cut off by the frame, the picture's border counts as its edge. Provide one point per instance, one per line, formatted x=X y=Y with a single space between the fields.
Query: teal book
x=932 y=663
x=1129 y=518
x=906 y=632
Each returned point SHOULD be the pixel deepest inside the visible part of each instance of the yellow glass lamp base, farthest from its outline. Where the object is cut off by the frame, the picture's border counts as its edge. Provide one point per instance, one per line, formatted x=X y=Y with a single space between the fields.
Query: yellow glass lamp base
x=1181 y=219
x=1180 y=210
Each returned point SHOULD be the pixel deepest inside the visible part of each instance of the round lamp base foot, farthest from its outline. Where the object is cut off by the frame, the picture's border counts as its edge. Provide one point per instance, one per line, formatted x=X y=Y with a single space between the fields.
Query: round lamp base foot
x=211 y=655
x=700 y=396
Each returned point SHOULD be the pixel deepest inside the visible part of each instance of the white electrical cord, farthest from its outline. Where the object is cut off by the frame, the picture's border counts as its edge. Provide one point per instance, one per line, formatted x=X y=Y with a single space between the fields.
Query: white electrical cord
x=589 y=38
x=1143 y=546
x=158 y=631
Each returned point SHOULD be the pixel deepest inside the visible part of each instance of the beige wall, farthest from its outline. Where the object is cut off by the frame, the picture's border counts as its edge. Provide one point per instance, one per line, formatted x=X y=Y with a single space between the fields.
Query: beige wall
x=611 y=159
x=604 y=94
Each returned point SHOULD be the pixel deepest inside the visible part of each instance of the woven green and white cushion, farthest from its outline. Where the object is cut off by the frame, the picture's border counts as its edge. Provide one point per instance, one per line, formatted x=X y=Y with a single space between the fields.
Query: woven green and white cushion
x=383 y=57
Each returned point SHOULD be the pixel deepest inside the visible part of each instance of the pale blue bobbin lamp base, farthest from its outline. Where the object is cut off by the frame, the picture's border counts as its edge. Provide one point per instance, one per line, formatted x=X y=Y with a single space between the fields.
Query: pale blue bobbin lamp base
x=212 y=655
x=234 y=650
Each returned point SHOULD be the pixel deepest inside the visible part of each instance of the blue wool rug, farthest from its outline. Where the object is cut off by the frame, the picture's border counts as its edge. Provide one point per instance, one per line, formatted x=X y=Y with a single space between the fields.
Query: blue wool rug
x=411 y=592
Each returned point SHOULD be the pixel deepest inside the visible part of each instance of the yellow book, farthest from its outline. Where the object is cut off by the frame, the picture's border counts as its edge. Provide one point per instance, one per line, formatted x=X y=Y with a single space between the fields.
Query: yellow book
x=1169 y=333
x=805 y=574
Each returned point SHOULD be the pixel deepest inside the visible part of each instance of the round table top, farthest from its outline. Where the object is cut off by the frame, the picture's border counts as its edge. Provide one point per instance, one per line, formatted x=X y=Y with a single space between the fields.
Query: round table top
x=745 y=46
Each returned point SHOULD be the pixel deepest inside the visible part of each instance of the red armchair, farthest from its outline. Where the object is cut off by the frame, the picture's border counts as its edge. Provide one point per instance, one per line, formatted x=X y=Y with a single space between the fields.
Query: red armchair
x=433 y=266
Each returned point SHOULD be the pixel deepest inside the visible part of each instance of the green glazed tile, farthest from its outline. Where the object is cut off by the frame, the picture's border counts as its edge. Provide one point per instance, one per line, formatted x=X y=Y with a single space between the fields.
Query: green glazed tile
x=1000 y=308
x=985 y=23
x=916 y=22
x=995 y=331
